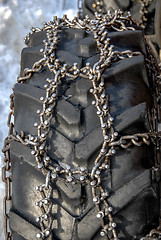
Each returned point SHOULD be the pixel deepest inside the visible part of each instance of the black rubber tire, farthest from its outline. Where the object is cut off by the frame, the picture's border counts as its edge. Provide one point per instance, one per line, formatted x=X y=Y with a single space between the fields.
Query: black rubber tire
x=126 y=5
x=75 y=139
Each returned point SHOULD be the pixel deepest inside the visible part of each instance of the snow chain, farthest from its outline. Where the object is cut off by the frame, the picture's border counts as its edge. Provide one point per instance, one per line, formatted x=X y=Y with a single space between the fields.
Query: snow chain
x=98 y=6
x=99 y=27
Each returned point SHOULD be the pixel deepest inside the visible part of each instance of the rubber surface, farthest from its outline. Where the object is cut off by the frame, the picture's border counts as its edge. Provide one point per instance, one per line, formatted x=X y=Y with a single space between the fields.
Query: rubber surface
x=76 y=137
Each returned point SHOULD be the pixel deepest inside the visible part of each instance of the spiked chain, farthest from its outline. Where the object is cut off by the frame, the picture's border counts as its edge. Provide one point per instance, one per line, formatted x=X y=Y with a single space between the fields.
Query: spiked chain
x=38 y=144
x=99 y=7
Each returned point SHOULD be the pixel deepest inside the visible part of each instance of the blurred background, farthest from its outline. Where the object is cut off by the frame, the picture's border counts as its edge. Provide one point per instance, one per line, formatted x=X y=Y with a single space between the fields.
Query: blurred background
x=16 y=18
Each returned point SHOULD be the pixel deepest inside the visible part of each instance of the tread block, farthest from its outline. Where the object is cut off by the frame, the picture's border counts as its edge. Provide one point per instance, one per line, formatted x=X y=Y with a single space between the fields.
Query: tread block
x=87 y=47
x=71 y=132
x=138 y=217
x=77 y=206
x=29 y=91
x=68 y=113
x=136 y=114
x=25 y=202
x=29 y=56
x=82 y=88
x=39 y=79
x=107 y=180
x=37 y=38
x=79 y=94
x=135 y=11
x=73 y=33
x=92 y=60
x=88 y=145
x=63 y=197
x=68 y=58
x=128 y=69
x=65 y=45
x=88 y=226
x=68 y=120
x=27 y=97
x=133 y=40
x=71 y=92
x=91 y=119
x=74 y=204
x=62 y=227
x=16 y=236
x=131 y=190
x=23 y=227
x=22 y=152
x=122 y=86
x=72 y=191
x=60 y=148
x=134 y=165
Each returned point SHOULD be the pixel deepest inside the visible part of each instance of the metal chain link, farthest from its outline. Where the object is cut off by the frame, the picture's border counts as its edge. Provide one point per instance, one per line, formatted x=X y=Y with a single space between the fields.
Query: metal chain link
x=6 y=172
x=144 y=11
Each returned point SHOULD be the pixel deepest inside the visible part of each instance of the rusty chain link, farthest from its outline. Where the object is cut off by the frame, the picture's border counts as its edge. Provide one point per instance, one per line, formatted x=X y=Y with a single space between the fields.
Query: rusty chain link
x=129 y=140
x=6 y=172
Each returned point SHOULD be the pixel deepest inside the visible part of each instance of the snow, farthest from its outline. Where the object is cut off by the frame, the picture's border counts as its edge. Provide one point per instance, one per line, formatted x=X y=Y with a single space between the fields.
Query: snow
x=16 y=18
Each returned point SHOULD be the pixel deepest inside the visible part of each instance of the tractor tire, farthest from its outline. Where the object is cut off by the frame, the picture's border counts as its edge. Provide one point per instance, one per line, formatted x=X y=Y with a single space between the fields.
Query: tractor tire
x=134 y=6
x=75 y=139
x=151 y=22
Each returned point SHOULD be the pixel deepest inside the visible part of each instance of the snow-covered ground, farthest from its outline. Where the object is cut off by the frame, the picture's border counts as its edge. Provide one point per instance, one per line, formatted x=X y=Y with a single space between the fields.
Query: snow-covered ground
x=16 y=18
